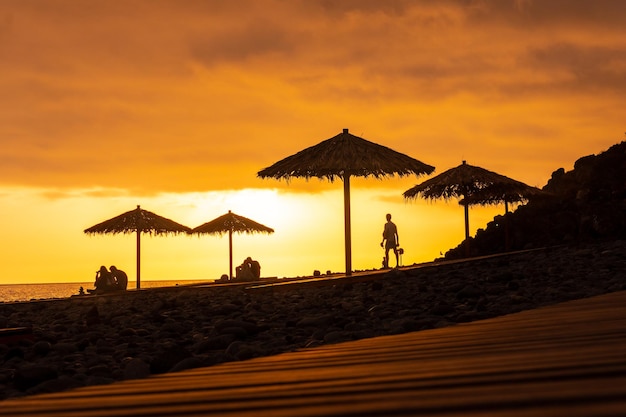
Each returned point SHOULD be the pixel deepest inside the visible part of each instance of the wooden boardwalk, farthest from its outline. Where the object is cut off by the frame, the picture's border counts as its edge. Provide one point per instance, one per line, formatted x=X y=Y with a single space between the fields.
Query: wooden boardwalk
x=563 y=360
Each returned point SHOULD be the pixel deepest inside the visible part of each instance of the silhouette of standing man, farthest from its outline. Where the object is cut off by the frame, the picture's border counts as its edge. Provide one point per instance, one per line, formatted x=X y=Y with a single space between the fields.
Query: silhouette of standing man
x=390 y=240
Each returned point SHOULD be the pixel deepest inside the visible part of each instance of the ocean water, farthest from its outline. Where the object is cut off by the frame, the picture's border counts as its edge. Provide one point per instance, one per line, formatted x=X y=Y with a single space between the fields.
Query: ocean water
x=29 y=292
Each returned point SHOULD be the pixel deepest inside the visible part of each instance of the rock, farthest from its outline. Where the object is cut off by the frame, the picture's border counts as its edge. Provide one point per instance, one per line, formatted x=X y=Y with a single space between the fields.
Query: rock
x=187 y=363
x=248 y=327
x=62 y=383
x=101 y=370
x=65 y=348
x=92 y=317
x=166 y=359
x=32 y=375
x=469 y=291
x=221 y=341
x=14 y=352
x=336 y=336
x=136 y=368
x=441 y=309
x=42 y=348
x=315 y=321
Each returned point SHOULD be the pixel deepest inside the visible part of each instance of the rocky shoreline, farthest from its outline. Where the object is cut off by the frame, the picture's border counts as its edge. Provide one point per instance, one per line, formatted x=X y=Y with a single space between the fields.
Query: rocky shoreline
x=84 y=341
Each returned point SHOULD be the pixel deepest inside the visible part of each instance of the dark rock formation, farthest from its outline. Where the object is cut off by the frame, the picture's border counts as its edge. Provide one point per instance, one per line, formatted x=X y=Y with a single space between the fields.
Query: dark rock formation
x=582 y=205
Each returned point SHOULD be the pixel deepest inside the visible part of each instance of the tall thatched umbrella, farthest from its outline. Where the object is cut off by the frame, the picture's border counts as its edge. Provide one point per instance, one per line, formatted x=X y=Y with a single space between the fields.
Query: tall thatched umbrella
x=472 y=185
x=231 y=222
x=343 y=156
x=138 y=221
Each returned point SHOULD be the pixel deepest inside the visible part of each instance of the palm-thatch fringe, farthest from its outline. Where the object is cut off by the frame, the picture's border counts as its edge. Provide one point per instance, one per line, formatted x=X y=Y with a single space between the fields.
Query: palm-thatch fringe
x=346 y=154
x=474 y=184
x=231 y=222
x=138 y=220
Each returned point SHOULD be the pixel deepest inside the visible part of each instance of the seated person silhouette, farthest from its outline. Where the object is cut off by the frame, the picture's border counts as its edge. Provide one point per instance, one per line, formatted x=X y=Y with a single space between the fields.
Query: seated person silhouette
x=120 y=278
x=249 y=270
x=104 y=282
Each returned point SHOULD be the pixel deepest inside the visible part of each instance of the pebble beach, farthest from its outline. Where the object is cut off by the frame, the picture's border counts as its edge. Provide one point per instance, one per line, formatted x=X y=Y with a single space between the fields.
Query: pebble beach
x=95 y=340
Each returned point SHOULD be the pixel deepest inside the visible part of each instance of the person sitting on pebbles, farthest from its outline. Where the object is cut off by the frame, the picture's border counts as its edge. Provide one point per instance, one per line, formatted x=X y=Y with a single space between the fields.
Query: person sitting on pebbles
x=249 y=270
x=120 y=278
x=104 y=281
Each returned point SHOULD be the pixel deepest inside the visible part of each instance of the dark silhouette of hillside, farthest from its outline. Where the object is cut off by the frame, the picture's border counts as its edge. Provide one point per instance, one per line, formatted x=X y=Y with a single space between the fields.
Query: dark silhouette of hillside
x=582 y=205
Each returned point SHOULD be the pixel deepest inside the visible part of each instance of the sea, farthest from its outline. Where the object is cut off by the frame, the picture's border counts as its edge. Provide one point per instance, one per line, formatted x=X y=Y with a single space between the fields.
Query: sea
x=32 y=292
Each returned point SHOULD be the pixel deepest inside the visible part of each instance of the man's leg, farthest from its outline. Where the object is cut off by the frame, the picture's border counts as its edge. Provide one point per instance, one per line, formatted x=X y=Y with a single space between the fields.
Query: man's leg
x=397 y=257
x=386 y=264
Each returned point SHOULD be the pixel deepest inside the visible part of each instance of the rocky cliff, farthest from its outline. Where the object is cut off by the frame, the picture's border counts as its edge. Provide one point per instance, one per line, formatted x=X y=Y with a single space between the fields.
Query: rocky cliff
x=584 y=204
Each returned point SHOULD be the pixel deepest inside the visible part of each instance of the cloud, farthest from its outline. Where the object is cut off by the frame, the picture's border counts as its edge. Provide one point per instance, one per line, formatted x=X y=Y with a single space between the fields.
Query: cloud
x=160 y=95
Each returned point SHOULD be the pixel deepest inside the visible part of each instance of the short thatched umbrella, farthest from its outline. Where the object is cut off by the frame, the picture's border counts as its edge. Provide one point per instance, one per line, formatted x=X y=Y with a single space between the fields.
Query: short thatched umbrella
x=138 y=221
x=472 y=185
x=343 y=156
x=517 y=192
x=231 y=222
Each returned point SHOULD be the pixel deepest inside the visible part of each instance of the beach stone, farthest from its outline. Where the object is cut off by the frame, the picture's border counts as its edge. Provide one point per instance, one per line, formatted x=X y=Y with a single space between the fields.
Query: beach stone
x=226 y=309
x=315 y=321
x=42 y=348
x=469 y=291
x=227 y=326
x=166 y=359
x=404 y=325
x=102 y=370
x=238 y=332
x=336 y=336
x=173 y=327
x=442 y=308
x=98 y=380
x=92 y=317
x=218 y=342
x=62 y=383
x=32 y=375
x=65 y=348
x=242 y=351
x=187 y=363
x=128 y=332
x=14 y=352
x=94 y=336
x=136 y=368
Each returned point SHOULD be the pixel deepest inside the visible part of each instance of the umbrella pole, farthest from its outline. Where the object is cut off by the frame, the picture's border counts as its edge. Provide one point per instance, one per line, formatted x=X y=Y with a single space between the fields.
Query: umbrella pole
x=467 y=243
x=138 y=258
x=230 y=251
x=346 y=205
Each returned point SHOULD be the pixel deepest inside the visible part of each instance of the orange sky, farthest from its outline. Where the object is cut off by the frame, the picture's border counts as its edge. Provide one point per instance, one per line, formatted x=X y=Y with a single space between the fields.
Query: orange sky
x=106 y=105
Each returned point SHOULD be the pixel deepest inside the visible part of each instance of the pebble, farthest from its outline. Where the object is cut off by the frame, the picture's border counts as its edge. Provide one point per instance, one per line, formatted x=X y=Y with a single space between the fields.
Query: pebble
x=82 y=341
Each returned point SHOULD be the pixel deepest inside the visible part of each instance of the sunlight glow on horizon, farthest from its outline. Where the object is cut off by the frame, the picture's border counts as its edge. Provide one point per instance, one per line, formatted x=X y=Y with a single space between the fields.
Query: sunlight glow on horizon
x=176 y=106
x=308 y=234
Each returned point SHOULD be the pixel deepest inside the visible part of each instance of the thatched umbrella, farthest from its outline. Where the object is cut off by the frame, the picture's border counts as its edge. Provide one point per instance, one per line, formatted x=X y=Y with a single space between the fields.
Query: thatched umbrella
x=231 y=222
x=472 y=185
x=343 y=156
x=518 y=192
x=138 y=221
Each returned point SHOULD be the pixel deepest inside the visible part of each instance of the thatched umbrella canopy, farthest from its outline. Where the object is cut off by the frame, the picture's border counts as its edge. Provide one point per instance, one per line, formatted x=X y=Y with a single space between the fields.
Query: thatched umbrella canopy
x=229 y=223
x=343 y=156
x=518 y=192
x=472 y=185
x=138 y=221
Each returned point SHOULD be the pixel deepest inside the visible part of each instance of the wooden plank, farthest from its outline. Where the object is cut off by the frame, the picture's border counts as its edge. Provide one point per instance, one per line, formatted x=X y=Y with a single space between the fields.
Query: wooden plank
x=568 y=359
